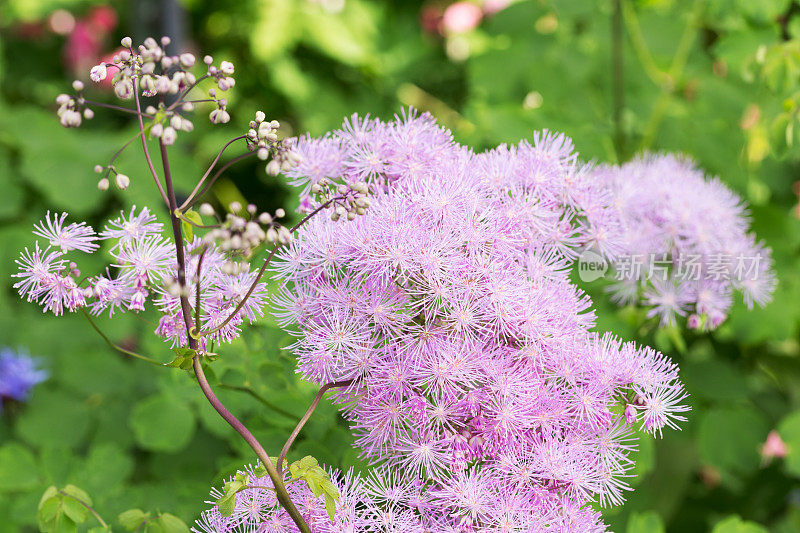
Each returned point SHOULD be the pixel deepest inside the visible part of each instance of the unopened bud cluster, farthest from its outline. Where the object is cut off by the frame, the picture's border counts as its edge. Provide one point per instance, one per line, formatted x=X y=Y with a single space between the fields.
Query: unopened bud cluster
x=262 y=138
x=72 y=109
x=348 y=200
x=243 y=231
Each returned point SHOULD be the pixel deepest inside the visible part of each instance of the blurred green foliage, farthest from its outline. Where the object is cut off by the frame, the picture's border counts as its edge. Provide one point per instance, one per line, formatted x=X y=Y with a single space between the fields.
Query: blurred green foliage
x=716 y=79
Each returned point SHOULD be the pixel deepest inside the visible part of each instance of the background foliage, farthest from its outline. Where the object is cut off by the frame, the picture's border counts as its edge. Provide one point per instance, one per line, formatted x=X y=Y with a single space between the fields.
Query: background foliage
x=716 y=79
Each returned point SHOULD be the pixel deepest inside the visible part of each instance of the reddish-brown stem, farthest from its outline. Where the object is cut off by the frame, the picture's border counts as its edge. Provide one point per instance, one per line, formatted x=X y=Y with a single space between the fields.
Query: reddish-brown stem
x=322 y=390
x=144 y=141
x=277 y=479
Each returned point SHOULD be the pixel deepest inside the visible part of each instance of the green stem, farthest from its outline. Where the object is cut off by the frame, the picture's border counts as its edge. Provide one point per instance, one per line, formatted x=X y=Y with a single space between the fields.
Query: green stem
x=618 y=81
x=116 y=346
x=256 y=396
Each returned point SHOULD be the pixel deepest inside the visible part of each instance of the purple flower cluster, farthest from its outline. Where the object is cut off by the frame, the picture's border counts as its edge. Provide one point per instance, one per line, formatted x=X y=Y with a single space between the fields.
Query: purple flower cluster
x=144 y=267
x=19 y=373
x=686 y=243
x=476 y=384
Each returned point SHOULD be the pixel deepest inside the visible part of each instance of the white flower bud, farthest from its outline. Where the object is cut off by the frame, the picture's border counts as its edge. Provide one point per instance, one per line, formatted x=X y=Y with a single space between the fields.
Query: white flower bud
x=188 y=106
x=165 y=41
x=63 y=99
x=280 y=213
x=260 y=116
x=272 y=235
x=169 y=136
x=265 y=218
x=77 y=85
x=175 y=122
x=98 y=168
x=273 y=168
x=103 y=184
x=157 y=130
x=98 y=73
x=207 y=210
x=226 y=67
x=150 y=110
x=262 y=154
x=88 y=114
x=208 y=60
x=186 y=125
x=122 y=181
x=235 y=207
x=127 y=42
x=124 y=89
x=187 y=60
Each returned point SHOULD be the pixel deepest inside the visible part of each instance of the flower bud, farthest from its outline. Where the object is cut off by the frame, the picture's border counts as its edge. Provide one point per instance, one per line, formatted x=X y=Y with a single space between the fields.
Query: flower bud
x=187 y=60
x=157 y=130
x=127 y=42
x=88 y=114
x=206 y=210
x=169 y=136
x=103 y=184
x=273 y=168
x=260 y=116
x=235 y=207
x=208 y=60
x=77 y=85
x=122 y=181
x=98 y=169
x=280 y=213
x=98 y=73
x=226 y=67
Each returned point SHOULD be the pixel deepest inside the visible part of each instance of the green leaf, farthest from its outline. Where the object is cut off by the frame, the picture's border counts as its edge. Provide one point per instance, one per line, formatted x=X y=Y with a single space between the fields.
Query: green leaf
x=789 y=430
x=75 y=510
x=226 y=505
x=161 y=423
x=188 y=229
x=18 y=469
x=729 y=438
x=645 y=522
x=172 y=524
x=734 y=524
x=132 y=518
x=330 y=506
x=54 y=419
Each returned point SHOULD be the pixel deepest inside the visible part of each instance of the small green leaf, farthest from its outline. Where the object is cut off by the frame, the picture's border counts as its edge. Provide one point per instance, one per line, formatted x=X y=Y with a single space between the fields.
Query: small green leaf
x=78 y=493
x=188 y=229
x=734 y=524
x=132 y=518
x=330 y=506
x=75 y=510
x=172 y=524
x=226 y=504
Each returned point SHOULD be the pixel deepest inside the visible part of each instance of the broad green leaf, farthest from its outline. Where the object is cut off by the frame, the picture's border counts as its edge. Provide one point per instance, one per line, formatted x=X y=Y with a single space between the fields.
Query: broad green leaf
x=132 y=518
x=161 y=423
x=54 y=419
x=789 y=430
x=645 y=522
x=734 y=524
x=729 y=438
x=18 y=470
x=172 y=524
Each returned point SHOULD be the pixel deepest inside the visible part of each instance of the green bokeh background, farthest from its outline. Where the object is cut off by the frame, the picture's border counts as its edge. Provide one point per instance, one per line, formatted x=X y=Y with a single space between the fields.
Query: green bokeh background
x=716 y=79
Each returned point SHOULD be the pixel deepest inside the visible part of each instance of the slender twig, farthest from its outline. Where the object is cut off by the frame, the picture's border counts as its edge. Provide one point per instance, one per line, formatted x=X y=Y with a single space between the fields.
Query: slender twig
x=210 y=168
x=258 y=397
x=277 y=479
x=639 y=45
x=180 y=99
x=144 y=141
x=116 y=346
x=322 y=390
x=89 y=507
x=264 y=268
x=198 y=312
x=618 y=81
x=194 y=197
x=118 y=108
x=676 y=68
x=184 y=218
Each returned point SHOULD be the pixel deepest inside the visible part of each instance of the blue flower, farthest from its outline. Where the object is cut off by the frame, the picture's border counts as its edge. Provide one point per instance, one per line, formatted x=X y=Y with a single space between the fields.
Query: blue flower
x=19 y=372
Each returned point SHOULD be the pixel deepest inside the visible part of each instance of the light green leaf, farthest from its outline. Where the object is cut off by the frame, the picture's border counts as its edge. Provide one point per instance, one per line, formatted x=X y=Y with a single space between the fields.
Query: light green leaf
x=172 y=524
x=132 y=518
x=162 y=424
x=18 y=469
x=734 y=524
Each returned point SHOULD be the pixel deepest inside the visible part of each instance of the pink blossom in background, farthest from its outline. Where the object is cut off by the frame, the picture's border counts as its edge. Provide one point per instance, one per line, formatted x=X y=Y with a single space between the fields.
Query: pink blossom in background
x=490 y=7
x=773 y=447
x=461 y=17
